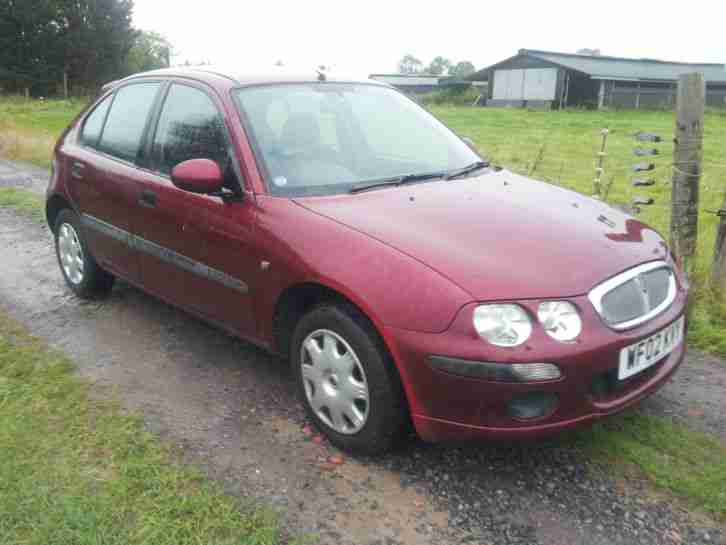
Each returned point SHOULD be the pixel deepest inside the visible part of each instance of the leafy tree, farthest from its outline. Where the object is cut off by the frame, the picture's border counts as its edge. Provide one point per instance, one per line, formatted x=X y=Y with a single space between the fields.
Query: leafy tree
x=439 y=66
x=410 y=65
x=149 y=52
x=28 y=43
x=97 y=36
x=462 y=69
x=41 y=40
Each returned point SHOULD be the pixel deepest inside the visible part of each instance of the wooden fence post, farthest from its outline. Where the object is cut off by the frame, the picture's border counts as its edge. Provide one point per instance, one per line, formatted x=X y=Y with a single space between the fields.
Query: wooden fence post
x=687 y=154
x=719 y=258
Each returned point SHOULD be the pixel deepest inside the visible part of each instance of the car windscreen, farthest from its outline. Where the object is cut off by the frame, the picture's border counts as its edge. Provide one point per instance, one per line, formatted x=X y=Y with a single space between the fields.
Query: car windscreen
x=327 y=138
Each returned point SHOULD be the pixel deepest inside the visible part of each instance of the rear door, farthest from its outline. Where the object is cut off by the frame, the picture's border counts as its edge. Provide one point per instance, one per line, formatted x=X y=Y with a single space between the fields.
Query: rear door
x=200 y=247
x=104 y=174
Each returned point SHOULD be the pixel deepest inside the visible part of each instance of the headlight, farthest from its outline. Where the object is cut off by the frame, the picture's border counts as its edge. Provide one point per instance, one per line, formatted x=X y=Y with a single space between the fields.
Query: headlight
x=560 y=320
x=502 y=325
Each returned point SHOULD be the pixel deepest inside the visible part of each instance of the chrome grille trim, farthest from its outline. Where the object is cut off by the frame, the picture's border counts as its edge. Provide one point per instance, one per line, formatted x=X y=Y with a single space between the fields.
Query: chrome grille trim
x=598 y=292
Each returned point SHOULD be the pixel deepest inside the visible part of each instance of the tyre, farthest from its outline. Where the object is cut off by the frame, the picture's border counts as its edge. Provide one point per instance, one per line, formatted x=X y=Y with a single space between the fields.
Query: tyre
x=347 y=381
x=80 y=270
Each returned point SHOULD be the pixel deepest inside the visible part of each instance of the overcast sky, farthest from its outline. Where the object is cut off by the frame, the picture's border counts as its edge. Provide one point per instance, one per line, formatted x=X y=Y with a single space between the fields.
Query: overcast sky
x=371 y=35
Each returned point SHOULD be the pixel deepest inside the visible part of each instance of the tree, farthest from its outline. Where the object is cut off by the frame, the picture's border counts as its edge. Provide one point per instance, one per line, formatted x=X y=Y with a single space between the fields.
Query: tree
x=439 y=66
x=28 y=43
x=149 y=52
x=43 y=41
x=410 y=65
x=462 y=69
x=97 y=36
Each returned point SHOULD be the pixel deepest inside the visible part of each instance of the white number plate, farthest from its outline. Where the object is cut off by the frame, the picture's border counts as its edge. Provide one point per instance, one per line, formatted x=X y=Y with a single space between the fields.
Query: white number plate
x=641 y=355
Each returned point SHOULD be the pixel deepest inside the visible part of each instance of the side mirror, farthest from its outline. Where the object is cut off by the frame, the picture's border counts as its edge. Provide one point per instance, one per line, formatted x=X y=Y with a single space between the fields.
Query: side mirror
x=198 y=176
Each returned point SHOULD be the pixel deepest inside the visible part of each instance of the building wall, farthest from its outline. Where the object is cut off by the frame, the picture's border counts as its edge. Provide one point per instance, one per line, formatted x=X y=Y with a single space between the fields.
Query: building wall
x=655 y=95
x=407 y=81
x=716 y=96
x=531 y=84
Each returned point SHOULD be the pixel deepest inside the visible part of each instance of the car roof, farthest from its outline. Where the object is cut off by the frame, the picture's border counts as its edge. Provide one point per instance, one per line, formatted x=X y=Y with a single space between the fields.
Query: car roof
x=233 y=77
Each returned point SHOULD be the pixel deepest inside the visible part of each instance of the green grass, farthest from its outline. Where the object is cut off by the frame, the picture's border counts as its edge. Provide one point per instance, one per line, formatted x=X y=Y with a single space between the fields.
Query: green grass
x=27 y=203
x=689 y=464
x=565 y=141
x=29 y=128
x=77 y=470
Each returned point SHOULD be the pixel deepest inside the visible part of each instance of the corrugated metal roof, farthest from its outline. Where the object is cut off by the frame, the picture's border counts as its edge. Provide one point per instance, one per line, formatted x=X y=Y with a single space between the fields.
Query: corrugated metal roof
x=629 y=69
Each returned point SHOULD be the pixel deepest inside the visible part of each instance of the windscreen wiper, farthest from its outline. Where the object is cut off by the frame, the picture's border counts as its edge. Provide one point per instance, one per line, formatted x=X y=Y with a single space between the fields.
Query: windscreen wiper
x=395 y=180
x=466 y=170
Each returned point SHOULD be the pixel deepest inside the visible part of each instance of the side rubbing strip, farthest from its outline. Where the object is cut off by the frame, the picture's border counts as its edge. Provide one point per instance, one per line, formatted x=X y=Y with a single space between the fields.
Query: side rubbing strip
x=164 y=254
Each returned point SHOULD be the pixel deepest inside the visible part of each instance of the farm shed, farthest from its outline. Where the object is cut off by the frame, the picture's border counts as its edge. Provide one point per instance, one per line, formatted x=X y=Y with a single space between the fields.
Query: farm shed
x=547 y=79
x=425 y=83
x=409 y=83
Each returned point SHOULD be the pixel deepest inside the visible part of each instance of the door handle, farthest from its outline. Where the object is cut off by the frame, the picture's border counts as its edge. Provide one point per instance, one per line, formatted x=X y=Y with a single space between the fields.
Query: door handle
x=147 y=199
x=77 y=169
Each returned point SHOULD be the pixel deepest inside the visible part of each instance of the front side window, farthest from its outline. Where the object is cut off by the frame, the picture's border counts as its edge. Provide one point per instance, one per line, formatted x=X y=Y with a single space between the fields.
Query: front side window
x=190 y=127
x=121 y=136
x=94 y=123
x=325 y=138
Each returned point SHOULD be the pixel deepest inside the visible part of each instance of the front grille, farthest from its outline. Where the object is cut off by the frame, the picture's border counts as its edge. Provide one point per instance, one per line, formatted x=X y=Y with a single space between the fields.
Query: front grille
x=636 y=295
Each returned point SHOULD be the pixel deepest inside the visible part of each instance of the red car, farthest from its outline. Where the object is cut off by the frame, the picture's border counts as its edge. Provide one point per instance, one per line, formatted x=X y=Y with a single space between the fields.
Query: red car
x=337 y=223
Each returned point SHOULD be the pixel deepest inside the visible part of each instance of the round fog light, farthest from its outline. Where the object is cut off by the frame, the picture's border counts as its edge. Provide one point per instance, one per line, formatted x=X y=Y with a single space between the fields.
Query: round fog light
x=532 y=405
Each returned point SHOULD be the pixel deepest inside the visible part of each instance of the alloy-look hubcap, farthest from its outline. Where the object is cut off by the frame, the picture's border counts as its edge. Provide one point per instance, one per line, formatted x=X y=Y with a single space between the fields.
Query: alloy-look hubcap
x=335 y=384
x=71 y=253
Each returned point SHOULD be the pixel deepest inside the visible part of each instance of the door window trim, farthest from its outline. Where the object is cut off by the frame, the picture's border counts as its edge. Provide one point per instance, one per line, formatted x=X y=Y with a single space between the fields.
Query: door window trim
x=107 y=96
x=153 y=161
x=163 y=83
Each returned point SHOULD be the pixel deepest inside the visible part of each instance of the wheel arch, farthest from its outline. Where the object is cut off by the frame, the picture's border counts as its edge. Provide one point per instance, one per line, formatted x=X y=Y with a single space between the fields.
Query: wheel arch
x=296 y=300
x=53 y=206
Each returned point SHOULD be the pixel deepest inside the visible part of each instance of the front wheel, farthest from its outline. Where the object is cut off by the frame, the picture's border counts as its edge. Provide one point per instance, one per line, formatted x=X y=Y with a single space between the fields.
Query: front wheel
x=346 y=380
x=80 y=270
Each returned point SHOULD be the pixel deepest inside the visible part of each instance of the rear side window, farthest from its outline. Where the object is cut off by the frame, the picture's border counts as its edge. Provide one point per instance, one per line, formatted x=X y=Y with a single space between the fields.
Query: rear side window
x=190 y=127
x=125 y=124
x=94 y=123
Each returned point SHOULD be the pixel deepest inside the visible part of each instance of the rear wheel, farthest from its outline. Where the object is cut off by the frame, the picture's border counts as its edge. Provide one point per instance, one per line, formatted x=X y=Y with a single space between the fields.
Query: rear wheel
x=80 y=270
x=346 y=380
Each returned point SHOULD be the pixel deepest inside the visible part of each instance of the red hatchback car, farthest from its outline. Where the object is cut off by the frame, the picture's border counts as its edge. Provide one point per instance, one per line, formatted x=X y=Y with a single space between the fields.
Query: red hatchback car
x=336 y=222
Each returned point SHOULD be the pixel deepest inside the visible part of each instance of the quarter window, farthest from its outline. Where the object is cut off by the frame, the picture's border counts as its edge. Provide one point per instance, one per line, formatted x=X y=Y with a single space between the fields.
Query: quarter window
x=124 y=128
x=190 y=127
x=94 y=123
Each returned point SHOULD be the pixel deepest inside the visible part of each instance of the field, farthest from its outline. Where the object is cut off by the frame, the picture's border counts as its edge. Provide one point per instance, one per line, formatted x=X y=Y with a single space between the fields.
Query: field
x=558 y=147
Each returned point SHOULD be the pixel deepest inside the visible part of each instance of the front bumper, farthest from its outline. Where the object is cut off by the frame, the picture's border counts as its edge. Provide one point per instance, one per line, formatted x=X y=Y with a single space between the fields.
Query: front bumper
x=453 y=407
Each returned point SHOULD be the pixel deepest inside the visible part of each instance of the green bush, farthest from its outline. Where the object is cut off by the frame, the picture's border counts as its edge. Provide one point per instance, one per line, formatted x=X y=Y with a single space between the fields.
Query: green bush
x=453 y=96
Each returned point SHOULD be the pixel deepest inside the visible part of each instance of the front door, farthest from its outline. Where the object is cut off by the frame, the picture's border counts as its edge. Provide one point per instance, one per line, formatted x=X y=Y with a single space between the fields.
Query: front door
x=198 y=247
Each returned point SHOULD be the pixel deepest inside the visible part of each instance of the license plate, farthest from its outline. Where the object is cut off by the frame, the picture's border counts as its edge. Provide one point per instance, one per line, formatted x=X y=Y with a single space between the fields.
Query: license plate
x=643 y=354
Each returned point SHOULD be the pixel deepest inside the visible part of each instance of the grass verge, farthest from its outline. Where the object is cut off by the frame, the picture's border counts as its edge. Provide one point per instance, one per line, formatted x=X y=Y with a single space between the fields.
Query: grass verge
x=25 y=202
x=77 y=470
x=689 y=464
x=29 y=128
